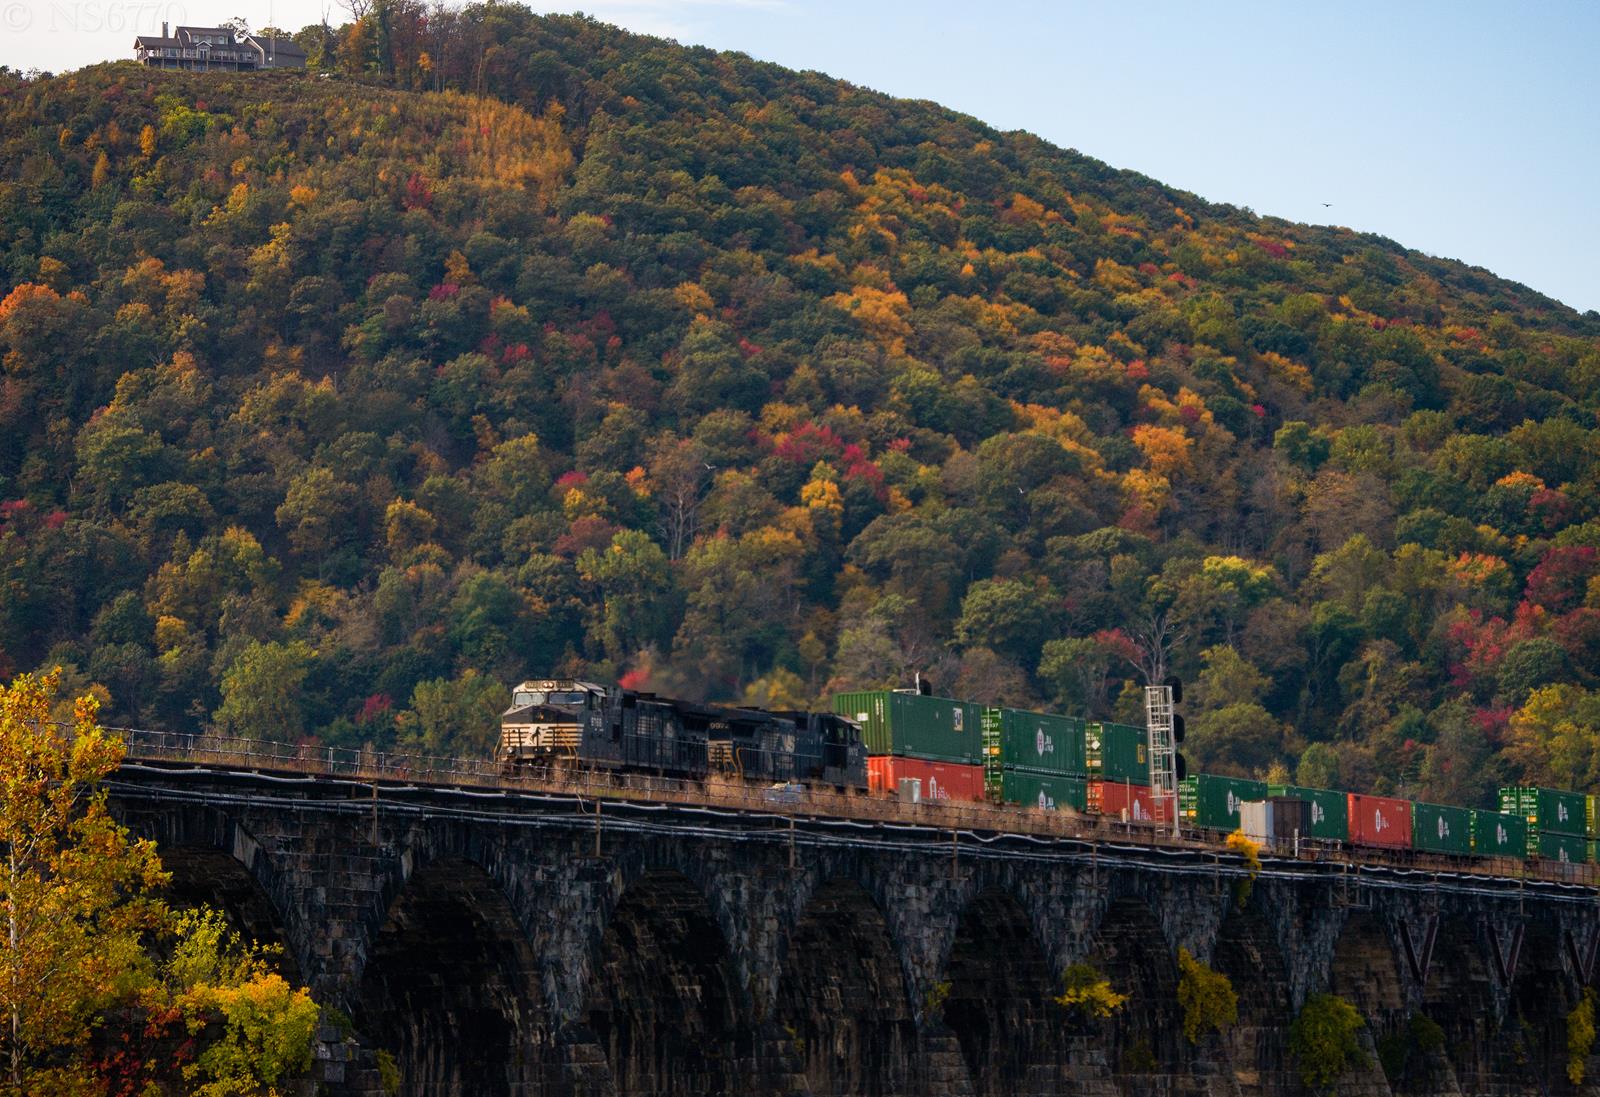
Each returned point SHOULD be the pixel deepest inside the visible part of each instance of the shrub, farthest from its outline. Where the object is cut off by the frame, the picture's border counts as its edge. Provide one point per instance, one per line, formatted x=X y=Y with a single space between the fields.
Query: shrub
x=1323 y=1040
x=1250 y=850
x=1207 y=997
x=1580 y=1036
x=1087 y=993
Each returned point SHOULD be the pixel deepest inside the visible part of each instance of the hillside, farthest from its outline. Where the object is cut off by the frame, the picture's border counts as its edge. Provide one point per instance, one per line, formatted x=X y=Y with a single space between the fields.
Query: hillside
x=331 y=407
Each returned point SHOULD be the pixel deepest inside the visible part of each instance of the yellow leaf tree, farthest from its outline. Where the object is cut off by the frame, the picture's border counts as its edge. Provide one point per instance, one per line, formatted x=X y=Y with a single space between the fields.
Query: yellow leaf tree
x=77 y=893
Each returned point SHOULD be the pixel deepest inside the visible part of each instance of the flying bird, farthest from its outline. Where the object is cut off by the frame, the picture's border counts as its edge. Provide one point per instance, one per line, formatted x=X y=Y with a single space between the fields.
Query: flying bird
x=1325 y=205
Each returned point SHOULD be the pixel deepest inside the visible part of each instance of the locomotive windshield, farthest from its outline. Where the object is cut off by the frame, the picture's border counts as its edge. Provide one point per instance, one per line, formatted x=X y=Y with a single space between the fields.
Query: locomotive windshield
x=522 y=698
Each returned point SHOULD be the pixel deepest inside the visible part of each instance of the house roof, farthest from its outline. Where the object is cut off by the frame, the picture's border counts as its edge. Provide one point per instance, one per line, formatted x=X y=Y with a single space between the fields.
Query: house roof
x=154 y=42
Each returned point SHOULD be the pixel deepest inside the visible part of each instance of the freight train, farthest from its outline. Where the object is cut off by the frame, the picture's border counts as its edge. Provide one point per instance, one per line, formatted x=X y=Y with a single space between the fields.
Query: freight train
x=565 y=722
x=911 y=744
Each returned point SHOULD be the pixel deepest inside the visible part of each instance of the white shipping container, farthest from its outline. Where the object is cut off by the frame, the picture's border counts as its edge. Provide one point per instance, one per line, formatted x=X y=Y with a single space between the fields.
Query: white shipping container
x=1255 y=819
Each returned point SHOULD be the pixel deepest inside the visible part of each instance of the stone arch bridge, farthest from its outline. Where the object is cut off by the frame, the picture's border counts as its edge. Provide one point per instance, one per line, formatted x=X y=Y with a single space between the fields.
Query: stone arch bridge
x=497 y=943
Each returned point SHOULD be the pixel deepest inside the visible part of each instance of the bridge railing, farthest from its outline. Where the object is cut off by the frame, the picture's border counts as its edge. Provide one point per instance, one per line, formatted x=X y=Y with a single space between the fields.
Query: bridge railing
x=383 y=768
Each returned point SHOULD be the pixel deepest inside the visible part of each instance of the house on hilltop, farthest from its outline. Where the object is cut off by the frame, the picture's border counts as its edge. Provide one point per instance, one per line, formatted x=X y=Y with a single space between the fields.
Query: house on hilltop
x=217 y=49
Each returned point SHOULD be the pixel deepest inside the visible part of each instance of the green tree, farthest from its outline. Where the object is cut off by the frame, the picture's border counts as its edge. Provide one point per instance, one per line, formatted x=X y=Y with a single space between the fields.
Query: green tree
x=458 y=717
x=1207 y=997
x=1325 y=1040
x=261 y=692
x=635 y=583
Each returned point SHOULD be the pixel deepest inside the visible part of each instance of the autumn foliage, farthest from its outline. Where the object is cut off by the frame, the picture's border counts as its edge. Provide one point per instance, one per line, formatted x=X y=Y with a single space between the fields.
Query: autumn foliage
x=331 y=408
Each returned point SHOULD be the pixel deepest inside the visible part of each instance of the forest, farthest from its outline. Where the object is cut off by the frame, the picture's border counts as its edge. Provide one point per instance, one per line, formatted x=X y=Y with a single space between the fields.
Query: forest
x=332 y=404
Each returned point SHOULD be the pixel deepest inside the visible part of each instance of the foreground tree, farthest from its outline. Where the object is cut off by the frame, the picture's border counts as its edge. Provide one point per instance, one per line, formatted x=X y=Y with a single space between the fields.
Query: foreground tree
x=78 y=893
x=93 y=959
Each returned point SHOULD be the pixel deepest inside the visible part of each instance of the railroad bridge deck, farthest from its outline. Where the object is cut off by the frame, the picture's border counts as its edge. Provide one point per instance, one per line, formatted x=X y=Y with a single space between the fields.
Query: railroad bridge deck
x=561 y=936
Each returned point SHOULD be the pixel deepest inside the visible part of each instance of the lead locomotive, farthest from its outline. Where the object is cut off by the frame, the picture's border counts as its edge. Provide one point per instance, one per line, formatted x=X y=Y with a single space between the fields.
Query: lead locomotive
x=565 y=722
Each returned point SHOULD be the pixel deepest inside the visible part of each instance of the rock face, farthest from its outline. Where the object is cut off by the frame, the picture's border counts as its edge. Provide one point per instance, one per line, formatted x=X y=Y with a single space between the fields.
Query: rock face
x=503 y=946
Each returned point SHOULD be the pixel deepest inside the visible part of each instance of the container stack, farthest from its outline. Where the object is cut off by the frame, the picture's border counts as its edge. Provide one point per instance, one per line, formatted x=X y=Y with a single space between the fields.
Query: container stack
x=1213 y=803
x=1034 y=759
x=1557 y=821
x=1118 y=761
x=910 y=735
x=1591 y=819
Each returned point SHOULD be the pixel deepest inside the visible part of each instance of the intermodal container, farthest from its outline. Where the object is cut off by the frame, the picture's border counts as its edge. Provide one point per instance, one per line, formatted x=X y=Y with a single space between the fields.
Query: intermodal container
x=911 y=725
x=1040 y=741
x=1050 y=791
x=1440 y=828
x=1591 y=815
x=1117 y=752
x=1330 y=811
x=1565 y=848
x=1379 y=821
x=1496 y=834
x=940 y=780
x=1546 y=808
x=1212 y=802
x=1282 y=819
x=1116 y=799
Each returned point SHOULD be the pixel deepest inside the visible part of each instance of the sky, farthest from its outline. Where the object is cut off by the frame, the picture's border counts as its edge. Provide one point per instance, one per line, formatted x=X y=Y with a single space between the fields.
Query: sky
x=1467 y=130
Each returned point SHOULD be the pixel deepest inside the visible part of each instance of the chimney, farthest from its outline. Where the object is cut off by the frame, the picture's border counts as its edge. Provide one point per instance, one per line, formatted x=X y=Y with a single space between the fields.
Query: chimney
x=164 y=31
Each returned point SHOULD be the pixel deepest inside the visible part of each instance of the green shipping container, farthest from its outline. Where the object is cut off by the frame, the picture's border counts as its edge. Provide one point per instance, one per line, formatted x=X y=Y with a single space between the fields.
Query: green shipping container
x=1040 y=741
x=1591 y=816
x=1546 y=809
x=1566 y=848
x=911 y=725
x=1496 y=834
x=1440 y=828
x=1213 y=802
x=1050 y=791
x=1330 y=810
x=1117 y=752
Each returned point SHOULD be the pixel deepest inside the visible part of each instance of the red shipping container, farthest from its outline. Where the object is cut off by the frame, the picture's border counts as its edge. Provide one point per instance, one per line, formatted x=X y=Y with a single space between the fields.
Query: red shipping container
x=1380 y=821
x=940 y=780
x=1113 y=798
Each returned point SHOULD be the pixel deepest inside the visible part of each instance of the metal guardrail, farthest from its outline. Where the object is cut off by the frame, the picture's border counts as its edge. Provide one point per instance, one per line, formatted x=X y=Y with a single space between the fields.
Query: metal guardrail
x=380 y=767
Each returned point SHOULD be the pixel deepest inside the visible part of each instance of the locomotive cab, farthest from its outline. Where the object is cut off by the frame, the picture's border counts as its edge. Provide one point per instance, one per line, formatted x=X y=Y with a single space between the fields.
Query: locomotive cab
x=545 y=720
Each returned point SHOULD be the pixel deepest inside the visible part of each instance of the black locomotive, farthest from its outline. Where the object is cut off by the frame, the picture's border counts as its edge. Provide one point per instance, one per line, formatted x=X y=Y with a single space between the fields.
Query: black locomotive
x=565 y=722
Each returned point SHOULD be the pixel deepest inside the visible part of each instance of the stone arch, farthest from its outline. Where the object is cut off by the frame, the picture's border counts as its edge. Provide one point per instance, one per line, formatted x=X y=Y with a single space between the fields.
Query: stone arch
x=842 y=997
x=1460 y=998
x=1144 y=1037
x=1365 y=972
x=1001 y=1002
x=664 y=1003
x=215 y=861
x=450 y=987
x=1247 y=951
